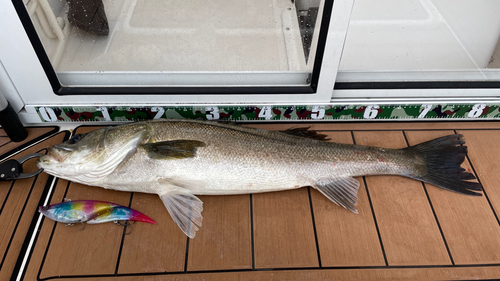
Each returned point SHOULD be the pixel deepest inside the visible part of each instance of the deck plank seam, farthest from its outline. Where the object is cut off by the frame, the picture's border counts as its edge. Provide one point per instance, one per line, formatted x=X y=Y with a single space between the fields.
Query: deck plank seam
x=409 y=130
x=13 y=234
x=314 y=226
x=186 y=257
x=433 y=211
x=373 y=212
x=252 y=238
x=479 y=180
x=51 y=181
x=45 y=197
x=123 y=237
x=268 y=269
x=9 y=142
x=50 y=239
x=7 y=196
x=30 y=143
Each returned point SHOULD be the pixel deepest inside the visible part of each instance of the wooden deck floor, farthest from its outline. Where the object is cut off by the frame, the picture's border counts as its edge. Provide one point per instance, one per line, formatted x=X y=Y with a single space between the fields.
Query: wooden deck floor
x=404 y=230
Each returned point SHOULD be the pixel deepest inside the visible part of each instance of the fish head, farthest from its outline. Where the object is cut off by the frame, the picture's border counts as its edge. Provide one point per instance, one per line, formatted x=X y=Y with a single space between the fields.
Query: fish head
x=83 y=156
x=74 y=156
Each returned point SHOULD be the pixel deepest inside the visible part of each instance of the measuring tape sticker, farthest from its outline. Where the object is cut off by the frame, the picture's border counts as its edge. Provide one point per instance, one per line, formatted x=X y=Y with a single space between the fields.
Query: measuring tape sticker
x=327 y=112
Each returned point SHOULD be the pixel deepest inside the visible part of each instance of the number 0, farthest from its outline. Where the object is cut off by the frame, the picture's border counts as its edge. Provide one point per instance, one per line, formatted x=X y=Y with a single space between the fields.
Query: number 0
x=48 y=114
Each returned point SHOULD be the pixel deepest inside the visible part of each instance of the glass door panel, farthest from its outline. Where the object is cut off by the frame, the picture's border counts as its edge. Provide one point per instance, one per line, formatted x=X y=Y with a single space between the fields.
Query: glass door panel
x=144 y=43
x=421 y=41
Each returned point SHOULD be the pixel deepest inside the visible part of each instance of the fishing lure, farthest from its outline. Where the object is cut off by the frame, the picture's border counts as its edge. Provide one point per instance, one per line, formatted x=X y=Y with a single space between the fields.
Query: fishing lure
x=121 y=213
x=92 y=212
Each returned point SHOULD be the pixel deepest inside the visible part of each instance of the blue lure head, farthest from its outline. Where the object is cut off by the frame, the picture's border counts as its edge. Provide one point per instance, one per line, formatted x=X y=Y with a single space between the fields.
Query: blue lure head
x=65 y=212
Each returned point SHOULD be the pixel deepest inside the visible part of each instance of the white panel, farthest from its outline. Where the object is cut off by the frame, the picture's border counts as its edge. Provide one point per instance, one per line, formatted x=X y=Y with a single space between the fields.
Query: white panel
x=19 y=60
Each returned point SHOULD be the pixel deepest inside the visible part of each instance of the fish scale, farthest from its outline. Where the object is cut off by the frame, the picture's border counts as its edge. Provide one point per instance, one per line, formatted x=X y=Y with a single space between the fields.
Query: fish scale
x=179 y=159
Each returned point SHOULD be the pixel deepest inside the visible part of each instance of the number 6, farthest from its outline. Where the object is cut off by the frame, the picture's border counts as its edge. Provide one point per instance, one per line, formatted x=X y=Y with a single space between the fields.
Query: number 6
x=371 y=111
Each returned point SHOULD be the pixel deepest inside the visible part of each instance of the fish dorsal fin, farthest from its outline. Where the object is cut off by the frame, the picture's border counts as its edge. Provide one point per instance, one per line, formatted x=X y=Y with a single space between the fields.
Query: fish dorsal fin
x=184 y=208
x=174 y=149
x=342 y=191
x=304 y=132
x=113 y=160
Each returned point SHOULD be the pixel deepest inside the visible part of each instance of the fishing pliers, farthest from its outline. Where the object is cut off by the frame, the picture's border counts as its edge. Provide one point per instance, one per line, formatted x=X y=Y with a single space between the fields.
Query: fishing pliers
x=13 y=169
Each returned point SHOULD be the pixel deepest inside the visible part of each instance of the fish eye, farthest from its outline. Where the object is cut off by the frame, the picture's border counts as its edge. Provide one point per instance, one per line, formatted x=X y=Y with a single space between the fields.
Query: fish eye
x=76 y=138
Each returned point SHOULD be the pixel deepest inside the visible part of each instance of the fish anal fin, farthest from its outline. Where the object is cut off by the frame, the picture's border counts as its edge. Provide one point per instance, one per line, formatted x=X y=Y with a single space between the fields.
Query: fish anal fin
x=341 y=191
x=184 y=208
x=174 y=149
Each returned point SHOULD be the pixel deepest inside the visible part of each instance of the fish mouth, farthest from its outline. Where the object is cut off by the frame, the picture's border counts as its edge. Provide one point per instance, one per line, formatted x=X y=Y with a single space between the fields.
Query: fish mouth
x=42 y=162
x=58 y=154
x=53 y=156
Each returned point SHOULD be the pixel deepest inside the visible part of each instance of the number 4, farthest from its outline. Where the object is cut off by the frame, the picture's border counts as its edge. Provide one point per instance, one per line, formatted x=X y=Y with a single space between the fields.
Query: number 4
x=266 y=113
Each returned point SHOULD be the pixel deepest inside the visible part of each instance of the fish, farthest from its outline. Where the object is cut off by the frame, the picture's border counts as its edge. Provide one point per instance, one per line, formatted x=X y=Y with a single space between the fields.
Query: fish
x=92 y=212
x=180 y=159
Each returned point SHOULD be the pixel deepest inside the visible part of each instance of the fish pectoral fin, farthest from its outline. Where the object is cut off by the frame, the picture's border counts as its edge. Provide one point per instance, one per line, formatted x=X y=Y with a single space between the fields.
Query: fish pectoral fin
x=174 y=149
x=341 y=191
x=185 y=209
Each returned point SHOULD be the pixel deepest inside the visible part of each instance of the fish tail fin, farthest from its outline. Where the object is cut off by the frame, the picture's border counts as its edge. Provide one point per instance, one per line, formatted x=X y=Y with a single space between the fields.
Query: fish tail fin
x=442 y=159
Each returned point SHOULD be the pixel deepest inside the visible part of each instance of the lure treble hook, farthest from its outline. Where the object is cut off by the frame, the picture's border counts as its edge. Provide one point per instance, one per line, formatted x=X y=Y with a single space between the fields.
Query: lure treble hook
x=127 y=224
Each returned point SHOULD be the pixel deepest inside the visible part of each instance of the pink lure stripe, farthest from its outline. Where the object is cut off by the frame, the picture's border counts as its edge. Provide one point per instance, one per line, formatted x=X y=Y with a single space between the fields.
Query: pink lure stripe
x=122 y=213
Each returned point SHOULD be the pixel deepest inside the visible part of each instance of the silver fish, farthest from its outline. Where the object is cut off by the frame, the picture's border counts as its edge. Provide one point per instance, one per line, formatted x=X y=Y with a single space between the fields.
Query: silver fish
x=179 y=159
